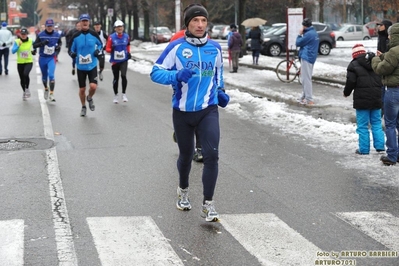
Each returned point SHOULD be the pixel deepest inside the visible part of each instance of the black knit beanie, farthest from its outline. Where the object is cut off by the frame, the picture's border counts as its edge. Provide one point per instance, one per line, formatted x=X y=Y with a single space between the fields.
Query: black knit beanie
x=194 y=11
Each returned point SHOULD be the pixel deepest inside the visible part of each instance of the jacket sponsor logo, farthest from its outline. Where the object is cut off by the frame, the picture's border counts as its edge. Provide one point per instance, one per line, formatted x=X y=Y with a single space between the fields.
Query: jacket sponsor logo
x=210 y=52
x=199 y=65
x=187 y=53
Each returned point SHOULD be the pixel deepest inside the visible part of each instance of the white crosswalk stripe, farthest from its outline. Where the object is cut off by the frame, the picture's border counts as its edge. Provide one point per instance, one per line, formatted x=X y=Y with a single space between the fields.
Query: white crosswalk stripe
x=137 y=240
x=12 y=242
x=382 y=226
x=269 y=239
x=131 y=241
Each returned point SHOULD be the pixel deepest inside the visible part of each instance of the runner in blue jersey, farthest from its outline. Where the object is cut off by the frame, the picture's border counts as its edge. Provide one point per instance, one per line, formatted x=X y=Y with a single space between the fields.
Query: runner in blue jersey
x=49 y=42
x=118 y=45
x=86 y=46
x=194 y=67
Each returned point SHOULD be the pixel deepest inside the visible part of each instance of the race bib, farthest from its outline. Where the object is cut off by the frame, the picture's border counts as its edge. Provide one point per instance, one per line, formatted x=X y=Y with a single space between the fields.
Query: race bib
x=119 y=55
x=48 y=50
x=83 y=60
x=24 y=54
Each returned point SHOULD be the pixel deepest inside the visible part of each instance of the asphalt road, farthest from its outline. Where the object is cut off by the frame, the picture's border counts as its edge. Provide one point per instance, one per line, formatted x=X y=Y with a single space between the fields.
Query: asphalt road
x=111 y=176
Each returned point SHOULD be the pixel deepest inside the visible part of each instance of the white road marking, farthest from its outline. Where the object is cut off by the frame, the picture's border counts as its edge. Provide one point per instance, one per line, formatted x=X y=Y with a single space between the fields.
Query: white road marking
x=63 y=233
x=12 y=242
x=131 y=241
x=382 y=226
x=269 y=239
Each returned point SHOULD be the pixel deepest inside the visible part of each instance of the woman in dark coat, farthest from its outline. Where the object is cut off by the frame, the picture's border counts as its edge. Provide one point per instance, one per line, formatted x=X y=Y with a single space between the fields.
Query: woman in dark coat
x=256 y=40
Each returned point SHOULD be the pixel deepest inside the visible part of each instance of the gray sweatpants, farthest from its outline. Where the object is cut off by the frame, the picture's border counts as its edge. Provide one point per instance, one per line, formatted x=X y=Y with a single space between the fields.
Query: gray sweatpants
x=306 y=75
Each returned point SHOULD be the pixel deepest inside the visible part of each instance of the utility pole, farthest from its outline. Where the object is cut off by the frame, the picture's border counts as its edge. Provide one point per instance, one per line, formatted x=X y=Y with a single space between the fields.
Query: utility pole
x=177 y=15
x=344 y=12
x=362 y=14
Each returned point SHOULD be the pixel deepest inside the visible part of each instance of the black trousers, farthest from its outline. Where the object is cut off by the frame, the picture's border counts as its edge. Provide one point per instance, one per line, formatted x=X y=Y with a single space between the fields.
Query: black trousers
x=23 y=71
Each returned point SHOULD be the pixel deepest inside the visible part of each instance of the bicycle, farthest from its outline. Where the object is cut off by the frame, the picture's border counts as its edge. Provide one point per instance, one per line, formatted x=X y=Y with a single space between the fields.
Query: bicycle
x=288 y=70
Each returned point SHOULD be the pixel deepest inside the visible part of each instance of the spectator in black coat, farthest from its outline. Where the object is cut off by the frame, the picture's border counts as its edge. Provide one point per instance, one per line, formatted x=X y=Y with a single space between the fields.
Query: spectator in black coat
x=382 y=44
x=366 y=84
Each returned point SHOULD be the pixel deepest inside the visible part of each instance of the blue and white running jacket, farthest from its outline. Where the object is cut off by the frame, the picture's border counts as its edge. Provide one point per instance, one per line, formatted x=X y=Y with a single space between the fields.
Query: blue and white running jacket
x=201 y=55
x=84 y=44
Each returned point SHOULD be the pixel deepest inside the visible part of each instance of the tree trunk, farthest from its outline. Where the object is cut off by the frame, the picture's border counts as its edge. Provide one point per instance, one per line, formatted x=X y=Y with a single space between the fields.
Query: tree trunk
x=146 y=14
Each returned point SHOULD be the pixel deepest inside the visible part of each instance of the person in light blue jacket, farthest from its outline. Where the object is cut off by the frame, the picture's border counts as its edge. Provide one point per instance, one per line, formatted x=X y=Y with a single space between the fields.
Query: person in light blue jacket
x=193 y=65
x=86 y=47
x=308 y=43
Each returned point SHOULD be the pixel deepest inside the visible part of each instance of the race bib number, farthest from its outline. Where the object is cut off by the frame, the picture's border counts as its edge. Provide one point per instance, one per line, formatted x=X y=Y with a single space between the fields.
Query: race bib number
x=24 y=54
x=48 y=50
x=83 y=60
x=119 y=55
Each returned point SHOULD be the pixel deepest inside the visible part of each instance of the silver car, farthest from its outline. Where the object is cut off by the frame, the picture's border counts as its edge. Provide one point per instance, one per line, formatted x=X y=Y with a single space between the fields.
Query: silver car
x=350 y=32
x=216 y=31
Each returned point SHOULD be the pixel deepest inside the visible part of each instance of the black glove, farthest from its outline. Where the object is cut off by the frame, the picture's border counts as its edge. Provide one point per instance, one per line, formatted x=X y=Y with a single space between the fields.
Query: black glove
x=43 y=43
x=97 y=53
x=369 y=56
x=72 y=54
x=58 y=48
x=33 y=52
x=4 y=44
x=129 y=56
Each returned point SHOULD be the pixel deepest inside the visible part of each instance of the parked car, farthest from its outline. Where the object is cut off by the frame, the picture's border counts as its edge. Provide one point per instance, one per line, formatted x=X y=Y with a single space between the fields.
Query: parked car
x=265 y=31
x=372 y=28
x=350 y=32
x=224 y=32
x=160 y=34
x=274 y=41
x=216 y=31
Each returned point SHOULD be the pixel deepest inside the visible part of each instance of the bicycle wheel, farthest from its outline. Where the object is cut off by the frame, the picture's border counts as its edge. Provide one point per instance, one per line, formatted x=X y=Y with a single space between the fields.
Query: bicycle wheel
x=284 y=75
x=297 y=63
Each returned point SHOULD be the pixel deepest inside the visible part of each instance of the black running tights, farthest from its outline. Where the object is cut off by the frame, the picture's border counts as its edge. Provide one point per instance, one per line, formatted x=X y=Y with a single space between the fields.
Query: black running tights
x=23 y=71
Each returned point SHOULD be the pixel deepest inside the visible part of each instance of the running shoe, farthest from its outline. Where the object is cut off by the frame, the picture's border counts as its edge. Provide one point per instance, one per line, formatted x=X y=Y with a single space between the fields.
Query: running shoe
x=124 y=98
x=83 y=111
x=116 y=98
x=27 y=93
x=24 y=96
x=91 y=103
x=198 y=155
x=46 y=92
x=208 y=211
x=51 y=97
x=183 y=202
x=100 y=76
x=73 y=71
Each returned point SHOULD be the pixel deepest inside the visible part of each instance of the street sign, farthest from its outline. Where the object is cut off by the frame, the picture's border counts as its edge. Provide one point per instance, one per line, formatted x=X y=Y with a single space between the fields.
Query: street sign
x=19 y=15
x=110 y=12
x=13 y=5
x=3 y=16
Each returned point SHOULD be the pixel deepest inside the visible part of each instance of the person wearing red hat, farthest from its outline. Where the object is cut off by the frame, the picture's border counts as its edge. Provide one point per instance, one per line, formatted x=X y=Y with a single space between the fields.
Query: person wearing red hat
x=366 y=85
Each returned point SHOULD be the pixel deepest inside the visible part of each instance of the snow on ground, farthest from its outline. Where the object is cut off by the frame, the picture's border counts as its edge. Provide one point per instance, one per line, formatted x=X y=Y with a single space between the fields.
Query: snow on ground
x=337 y=138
